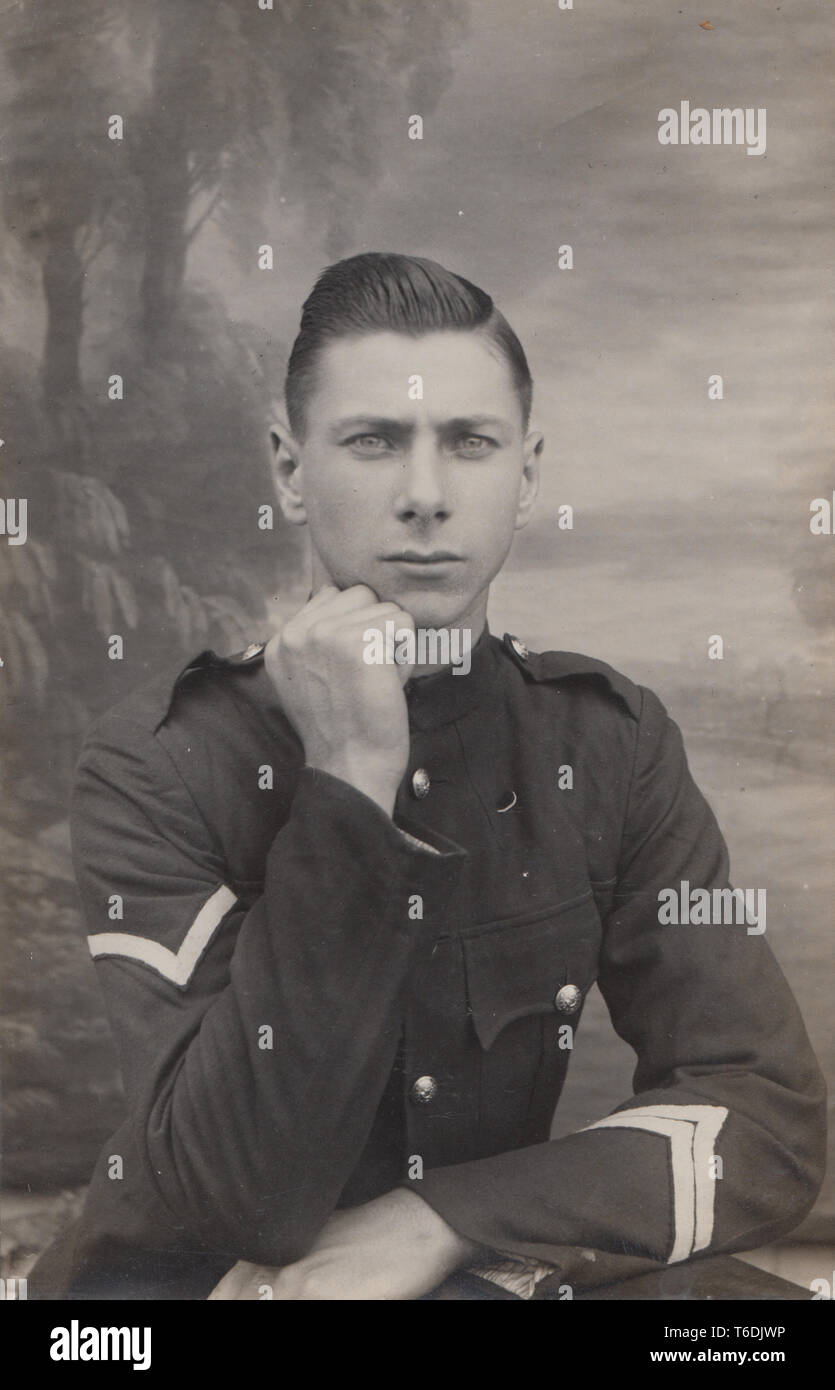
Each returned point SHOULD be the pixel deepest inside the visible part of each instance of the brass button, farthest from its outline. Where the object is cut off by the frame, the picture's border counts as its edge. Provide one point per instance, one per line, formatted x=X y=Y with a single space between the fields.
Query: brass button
x=421 y=783
x=424 y=1090
x=254 y=649
x=519 y=647
x=567 y=999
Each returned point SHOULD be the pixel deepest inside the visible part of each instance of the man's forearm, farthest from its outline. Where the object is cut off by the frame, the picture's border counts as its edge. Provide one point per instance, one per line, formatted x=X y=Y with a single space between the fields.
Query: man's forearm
x=393 y=1248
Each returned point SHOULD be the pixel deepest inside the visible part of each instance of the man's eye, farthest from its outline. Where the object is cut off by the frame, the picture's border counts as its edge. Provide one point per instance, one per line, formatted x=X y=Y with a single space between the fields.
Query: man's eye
x=369 y=443
x=473 y=444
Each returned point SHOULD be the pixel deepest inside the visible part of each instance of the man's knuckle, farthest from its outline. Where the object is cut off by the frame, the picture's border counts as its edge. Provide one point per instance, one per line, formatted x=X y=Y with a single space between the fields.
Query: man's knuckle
x=321 y=632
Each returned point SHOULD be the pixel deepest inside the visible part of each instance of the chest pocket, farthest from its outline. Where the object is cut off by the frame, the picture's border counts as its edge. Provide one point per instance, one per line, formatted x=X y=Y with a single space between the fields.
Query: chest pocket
x=526 y=983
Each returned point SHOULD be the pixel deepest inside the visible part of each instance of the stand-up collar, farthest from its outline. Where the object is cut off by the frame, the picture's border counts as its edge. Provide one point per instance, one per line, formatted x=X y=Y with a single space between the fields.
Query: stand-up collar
x=441 y=698
x=432 y=700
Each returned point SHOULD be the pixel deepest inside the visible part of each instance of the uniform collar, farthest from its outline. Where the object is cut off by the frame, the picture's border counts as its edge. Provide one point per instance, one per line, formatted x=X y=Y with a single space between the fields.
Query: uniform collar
x=443 y=697
x=432 y=700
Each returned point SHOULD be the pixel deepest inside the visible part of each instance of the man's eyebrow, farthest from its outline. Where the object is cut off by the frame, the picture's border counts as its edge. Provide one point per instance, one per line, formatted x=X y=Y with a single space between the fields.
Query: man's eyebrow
x=466 y=424
x=463 y=424
x=370 y=424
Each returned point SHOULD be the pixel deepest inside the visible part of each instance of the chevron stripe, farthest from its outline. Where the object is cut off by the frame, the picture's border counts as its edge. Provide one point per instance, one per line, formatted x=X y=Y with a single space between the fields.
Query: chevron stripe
x=692 y=1131
x=175 y=966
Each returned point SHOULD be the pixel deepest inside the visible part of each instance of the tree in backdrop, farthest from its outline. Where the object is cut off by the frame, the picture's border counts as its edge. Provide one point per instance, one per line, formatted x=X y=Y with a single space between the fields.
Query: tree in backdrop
x=142 y=511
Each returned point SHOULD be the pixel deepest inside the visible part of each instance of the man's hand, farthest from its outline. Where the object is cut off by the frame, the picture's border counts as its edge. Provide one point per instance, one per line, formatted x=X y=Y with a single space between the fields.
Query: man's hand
x=350 y=716
x=394 y=1248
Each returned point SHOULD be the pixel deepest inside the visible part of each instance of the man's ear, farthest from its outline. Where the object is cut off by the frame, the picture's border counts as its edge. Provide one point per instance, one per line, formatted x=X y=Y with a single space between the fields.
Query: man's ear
x=529 y=482
x=285 y=462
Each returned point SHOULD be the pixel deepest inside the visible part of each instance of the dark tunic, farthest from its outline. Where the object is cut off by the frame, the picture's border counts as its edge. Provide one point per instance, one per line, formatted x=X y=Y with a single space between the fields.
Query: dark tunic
x=307 y=1000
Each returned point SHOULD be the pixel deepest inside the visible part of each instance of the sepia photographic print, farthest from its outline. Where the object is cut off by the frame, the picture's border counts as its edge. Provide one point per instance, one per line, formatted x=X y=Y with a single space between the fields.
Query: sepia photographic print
x=417 y=651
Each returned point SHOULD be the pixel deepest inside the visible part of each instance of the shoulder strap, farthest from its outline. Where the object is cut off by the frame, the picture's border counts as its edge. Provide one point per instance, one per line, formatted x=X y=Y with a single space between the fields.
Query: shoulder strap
x=547 y=667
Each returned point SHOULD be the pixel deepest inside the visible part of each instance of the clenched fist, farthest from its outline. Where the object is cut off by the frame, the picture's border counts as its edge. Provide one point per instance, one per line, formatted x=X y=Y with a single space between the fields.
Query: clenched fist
x=350 y=716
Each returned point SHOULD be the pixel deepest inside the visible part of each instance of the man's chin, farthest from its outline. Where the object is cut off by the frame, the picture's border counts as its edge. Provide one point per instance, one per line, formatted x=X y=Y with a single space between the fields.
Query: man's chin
x=427 y=609
x=434 y=615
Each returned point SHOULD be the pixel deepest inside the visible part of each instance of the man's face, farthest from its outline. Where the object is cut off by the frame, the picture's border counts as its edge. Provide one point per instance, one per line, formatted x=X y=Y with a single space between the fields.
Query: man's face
x=417 y=498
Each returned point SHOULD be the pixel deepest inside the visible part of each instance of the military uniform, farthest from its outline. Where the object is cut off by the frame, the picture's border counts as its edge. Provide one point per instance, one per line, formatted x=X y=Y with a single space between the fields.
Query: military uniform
x=309 y=996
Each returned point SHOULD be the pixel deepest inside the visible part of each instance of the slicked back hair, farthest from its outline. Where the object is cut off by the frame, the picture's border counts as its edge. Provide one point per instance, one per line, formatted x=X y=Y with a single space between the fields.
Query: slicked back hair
x=383 y=292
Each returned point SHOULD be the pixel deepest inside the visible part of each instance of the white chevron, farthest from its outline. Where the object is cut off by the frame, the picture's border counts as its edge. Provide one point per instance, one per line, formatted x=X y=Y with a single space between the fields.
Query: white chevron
x=692 y=1131
x=176 y=966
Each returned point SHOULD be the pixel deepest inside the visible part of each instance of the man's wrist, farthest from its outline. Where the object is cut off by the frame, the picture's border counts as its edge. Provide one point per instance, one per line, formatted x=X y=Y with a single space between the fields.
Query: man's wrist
x=456 y=1251
x=379 y=785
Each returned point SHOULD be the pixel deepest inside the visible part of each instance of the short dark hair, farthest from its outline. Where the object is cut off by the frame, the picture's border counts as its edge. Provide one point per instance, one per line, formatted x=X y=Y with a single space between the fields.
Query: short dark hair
x=381 y=291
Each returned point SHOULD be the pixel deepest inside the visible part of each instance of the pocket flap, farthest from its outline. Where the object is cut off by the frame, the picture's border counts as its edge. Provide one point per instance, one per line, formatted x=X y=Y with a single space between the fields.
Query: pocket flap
x=515 y=968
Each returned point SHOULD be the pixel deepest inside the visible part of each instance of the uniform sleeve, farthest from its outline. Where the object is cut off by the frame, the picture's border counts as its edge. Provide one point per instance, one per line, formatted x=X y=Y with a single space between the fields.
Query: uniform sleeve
x=256 y=1036
x=721 y=1146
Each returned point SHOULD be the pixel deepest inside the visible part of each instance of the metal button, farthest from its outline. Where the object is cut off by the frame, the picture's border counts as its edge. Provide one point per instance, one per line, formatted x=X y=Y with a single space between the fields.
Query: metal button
x=424 y=1090
x=519 y=647
x=421 y=783
x=254 y=649
x=567 y=999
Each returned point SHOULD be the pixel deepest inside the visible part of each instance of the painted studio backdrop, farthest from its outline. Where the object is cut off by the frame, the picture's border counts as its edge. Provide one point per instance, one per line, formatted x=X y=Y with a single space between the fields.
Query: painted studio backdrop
x=174 y=175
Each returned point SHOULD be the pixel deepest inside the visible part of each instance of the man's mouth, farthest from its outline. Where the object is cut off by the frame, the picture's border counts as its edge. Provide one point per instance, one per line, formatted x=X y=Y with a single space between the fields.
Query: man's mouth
x=423 y=557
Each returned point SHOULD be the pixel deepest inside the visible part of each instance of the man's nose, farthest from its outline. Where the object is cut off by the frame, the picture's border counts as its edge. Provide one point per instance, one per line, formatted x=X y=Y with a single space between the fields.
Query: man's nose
x=423 y=492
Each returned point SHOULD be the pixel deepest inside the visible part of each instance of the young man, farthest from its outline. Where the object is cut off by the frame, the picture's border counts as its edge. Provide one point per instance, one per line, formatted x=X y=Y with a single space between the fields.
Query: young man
x=363 y=903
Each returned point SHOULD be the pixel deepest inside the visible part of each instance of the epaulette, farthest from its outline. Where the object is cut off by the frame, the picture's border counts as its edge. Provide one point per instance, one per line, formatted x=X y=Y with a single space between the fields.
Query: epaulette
x=559 y=666
x=251 y=657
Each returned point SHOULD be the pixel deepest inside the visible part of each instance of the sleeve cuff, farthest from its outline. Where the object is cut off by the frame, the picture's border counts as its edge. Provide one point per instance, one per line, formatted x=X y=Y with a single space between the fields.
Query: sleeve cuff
x=394 y=861
x=516 y=1274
